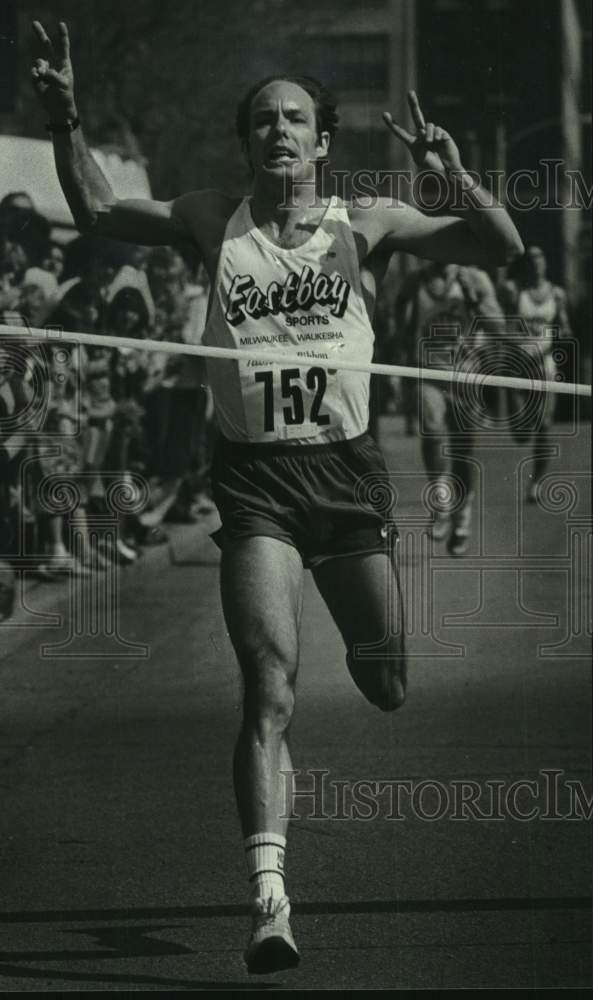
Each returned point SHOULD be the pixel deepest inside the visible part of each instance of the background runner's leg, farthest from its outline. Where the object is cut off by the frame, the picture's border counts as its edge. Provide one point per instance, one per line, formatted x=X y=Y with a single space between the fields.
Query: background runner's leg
x=363 y=595
x=541 y=445
x=434 y=430
x=462 y=420
x=434 y=436
x=261 y=586
x=462 y=468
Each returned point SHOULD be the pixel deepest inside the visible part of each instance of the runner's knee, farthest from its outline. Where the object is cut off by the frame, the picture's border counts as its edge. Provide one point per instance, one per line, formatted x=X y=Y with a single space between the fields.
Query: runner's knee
x=382 y=680
x=433 y=411
x=434 y=424
x=269 y=690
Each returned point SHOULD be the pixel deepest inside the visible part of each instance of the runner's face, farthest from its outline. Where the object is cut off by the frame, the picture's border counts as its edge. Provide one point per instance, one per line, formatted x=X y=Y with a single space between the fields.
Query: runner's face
x=441 y=277
x=283 y=140
x=21 y=201
x=127 y=320
x=54 y=262
x=5 y=367
x=536 y=263
x=12 y=257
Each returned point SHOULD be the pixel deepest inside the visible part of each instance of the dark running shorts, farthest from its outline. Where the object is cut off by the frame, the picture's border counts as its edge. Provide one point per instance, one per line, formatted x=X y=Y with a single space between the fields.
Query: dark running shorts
x=326 y=500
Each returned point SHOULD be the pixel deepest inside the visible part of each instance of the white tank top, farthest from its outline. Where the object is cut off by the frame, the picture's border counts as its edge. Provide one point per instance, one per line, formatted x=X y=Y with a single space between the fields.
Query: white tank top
x=538 y=315
x=430 y=307
x=437 y=326
x=307 y=299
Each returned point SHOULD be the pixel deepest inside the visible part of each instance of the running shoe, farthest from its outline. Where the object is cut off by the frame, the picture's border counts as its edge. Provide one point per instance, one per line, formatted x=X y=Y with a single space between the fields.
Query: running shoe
x=67 y=565
x=440 y=526
x=7 y=590
x=271 y=945
x=458 y=540
x=532 y=492
x=382 y=682
x=440 y=509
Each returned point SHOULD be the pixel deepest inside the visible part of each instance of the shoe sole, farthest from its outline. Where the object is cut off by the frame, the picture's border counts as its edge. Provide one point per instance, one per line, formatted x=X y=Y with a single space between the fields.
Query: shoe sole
x=59 y=572
x=458 y=546
x=272 y=955
x=438 y=532
x=387 y=693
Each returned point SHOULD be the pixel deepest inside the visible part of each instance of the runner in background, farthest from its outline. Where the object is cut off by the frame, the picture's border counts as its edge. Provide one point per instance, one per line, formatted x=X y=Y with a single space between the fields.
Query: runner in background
x=436 y=308
x=542 y=307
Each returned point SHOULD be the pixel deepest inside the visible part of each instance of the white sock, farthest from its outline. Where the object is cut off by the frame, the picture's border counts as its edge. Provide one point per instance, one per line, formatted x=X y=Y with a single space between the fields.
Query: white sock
x=463 y=516
x=264 y=853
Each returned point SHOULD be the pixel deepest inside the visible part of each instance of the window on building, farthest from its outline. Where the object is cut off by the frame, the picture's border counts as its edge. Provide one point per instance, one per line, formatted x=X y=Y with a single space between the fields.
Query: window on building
x=350 y=63
x=451 y=6
x=356 y=157
x=586 y=58
x=337 y=6
x=8 y=56
x=361 y=148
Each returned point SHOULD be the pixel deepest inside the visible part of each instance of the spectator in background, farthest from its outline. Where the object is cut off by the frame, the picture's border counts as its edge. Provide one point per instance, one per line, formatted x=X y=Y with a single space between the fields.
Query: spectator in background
x=13 y=265
x=67 y=417
x=177 y=410
x=129 y=314
x=54 y=260
x=198 y=294
x=100 y=422
x=583 y=321
x=64 y=418
x=39 y=292
x=29 y=229
x=79 y=307
x=115 y=411
x=97 y=261
x=17 y=199
x=17 y=520
x=13 y=400
x=381 y=389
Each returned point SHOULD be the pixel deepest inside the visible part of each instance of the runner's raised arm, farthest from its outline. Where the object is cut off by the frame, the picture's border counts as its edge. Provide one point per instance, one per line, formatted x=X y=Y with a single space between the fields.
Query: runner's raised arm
x=88 y=192
x=484 y=235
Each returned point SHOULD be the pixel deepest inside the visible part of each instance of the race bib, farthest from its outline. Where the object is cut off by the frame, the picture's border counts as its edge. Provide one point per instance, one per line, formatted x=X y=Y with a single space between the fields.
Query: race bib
x=296 y=401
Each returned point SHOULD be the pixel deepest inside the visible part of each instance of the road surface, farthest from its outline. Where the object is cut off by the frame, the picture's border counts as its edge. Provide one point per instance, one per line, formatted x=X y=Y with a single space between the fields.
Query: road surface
x=416 y=860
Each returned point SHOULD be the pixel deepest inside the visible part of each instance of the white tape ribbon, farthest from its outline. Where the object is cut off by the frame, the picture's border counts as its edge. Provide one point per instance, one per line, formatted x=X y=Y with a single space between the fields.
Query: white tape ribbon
x=292 y=358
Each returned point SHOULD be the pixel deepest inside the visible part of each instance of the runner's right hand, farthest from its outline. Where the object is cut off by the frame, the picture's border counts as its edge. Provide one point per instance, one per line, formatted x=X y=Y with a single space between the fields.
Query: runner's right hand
x=10 y=293
x=52 y=74
x=431 y=146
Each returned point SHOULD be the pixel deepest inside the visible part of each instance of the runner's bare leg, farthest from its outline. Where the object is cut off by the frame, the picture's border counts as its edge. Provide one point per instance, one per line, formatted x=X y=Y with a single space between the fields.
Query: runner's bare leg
x=261 y=586
x=363 y=595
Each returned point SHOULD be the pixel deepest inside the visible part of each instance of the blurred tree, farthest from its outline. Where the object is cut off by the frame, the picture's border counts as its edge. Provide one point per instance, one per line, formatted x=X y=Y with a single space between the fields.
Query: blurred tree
x=164 y=80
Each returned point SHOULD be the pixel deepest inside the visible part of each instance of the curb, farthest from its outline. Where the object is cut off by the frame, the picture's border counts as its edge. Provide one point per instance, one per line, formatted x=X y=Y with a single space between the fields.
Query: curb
x=49 y=601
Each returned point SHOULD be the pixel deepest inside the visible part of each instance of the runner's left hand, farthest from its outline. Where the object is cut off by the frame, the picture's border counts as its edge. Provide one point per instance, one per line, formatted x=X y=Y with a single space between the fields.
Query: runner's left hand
x=430 y=146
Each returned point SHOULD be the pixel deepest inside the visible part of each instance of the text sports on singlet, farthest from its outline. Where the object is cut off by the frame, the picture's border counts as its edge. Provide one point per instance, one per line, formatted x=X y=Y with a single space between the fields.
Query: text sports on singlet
x=299 y=291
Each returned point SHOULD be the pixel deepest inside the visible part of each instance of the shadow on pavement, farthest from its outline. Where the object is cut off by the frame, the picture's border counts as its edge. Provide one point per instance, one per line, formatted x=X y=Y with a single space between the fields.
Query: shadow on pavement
x=120 y=979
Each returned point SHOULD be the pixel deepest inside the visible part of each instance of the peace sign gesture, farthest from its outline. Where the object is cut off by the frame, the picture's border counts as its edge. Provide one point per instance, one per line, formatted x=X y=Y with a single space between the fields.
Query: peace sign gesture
x=52 y=74
x=430 y=146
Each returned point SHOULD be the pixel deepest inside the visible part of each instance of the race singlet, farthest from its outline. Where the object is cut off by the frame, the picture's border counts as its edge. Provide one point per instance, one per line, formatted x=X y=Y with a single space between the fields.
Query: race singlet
x=306 y=301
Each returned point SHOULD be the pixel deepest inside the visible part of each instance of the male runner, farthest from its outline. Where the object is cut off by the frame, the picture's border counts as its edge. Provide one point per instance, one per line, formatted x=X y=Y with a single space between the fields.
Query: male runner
x=542 y=306
x=283 y=264
x=435 y=309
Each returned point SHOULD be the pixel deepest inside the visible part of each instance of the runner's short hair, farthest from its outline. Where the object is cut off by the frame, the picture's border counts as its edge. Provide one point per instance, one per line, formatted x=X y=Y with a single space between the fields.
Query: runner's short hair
x=325 y=104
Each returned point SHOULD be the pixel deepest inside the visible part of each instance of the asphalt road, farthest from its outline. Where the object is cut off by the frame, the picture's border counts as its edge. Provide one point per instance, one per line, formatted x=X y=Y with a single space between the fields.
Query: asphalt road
x=121 y=857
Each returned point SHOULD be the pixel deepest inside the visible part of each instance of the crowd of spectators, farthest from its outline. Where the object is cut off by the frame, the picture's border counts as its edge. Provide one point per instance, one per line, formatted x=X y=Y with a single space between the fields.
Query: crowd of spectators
x=93 y=416
x=96 y=416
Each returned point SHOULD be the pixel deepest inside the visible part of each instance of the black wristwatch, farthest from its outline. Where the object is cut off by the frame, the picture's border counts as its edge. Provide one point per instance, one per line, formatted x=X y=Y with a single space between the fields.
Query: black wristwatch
x=68 y=126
